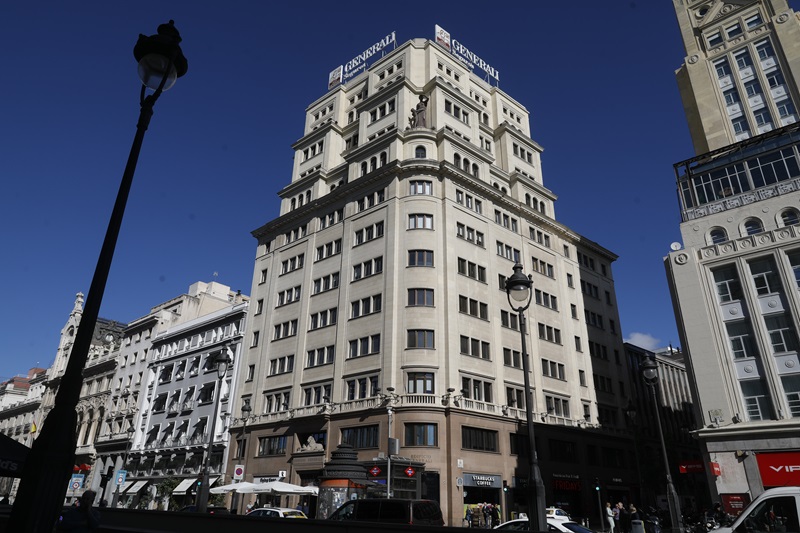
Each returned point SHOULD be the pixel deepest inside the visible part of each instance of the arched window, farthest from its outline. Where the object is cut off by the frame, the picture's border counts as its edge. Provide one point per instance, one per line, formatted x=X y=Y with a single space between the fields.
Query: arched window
x=308 y=196
x=466 y=164
x=717 y=235
x=373 y=163
x=496 y=186
x=503 y=190
x=294 y=203
x=383 y=158
x=420 y=152
x=475 y=170
x=300 y=201
x=485 y=118
x=790 y=217
x=542 y=208
x=363 y=168
x=753 y=226
x=457 y=160
x=528 y=199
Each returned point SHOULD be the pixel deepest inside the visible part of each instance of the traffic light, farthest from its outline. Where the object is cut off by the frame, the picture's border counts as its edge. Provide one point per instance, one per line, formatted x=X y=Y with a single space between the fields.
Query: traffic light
x=597 y=484
x=505 y=486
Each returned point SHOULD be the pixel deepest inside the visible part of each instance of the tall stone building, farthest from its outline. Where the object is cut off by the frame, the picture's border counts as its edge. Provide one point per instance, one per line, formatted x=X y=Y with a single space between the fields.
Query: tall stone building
x=378 y=306
x=735 y=282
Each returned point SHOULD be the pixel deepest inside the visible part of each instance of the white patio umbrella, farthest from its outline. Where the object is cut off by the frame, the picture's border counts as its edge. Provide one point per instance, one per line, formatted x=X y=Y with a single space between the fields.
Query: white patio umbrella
x=242 y=486
x=277 y=487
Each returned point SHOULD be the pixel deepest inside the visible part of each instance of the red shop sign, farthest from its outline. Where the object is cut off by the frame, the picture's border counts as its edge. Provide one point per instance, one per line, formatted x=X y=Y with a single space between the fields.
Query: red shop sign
x=686 y=467
x=779 y=469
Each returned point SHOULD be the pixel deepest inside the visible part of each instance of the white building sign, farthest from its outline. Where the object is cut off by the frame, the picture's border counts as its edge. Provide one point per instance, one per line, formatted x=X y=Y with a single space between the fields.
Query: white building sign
x=464 y=55
x=342 y=73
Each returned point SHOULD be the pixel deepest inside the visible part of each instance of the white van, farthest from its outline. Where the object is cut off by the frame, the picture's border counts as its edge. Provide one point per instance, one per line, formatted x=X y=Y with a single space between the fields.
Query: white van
x=776 y=510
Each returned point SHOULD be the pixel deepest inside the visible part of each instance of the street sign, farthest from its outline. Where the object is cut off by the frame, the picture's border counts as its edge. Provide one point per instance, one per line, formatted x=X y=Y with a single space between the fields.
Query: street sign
x=76 y=481
x=375 y=471
x=121 y=475
x=410 y=472
x=238 y=472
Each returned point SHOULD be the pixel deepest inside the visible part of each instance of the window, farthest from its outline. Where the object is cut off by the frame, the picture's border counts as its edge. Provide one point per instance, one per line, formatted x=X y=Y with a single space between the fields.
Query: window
x=557 y=406
x=539 y=236
x=361 y=437
x=765 y=276
x=478 y=439
x=326 y=283
x=578 y=346
x=469 y=234
x=292 y=264
x=753 y=226
x=370 y=233
x=718 y=236
x=474 y=347
x=320 y=356
x=365 y=306
x=507 y=251
x=570 y=281
x=542 y=267
x=370 y=200
x=322 y=319
x=756 y=400
x=733 y=30
x=590 y=289
x=549 y=333
x=286 y=329
x=728 y=286
x=553 y=369
x=288 y=296
x=251 y=372
x=420 y=153
x=546 y=300
x=329 y=249
x=364 y=346
x=791 y=385
x=281 y=365
x=276 y=402
x=782 y=334
x=420 y=338
x=420 y=258
x=368 y=268
x=509 y=320
x=420 y=383
x=722 y=67
x=790 y=217
x=752 y=22
x=473 y=307
x=794 y=260
x=272 y=445
x=360 y=388
x=764 y=50
x=421 y=435
x=477 y=389
x=472 y=270
x=316 y=395
x=715 y=39
x=469 y=201
x=263 y=278
x=421 y=187
x=420 y=221
x=254 y=341
x=741 y=338
x=512 y=358
x=259 y=306
x=420 y=297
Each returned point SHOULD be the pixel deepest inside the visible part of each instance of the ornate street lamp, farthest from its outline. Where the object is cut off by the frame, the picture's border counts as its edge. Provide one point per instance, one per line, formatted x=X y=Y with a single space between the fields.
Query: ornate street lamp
x=130 y=431
x=47 y=470
x=222 y=361
x=649 y=370
x=518 y=289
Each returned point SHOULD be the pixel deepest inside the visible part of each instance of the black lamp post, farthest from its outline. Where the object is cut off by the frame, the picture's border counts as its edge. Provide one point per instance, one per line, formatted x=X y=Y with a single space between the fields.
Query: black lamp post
x=518 y=288
x=49 y=464
x=650 y=374
x=246 y=411
x=223 y=361
x=130 y=431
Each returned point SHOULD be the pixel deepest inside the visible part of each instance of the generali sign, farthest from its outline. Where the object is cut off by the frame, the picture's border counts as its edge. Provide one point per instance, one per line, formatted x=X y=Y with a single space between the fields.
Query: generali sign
x=342 y=73
x=779 y=469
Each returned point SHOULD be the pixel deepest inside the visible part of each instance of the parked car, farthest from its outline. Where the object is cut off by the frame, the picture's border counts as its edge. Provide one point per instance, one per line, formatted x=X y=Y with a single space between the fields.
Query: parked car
x=557 y=514
x=395 y=511
x=553 y=526
x=277 y=512
x=211 y=509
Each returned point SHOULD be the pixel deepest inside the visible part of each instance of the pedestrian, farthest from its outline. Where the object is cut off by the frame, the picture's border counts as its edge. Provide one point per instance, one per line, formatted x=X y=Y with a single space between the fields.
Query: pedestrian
x=487 y=516
x=615 y=511
x=624 y=518
x=633 y=512
x=495 y=515
x=468 y=516
x=81 y=518
x=609 y=517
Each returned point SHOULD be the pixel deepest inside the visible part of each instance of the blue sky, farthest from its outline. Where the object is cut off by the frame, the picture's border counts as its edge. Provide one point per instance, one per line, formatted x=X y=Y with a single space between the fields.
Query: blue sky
x=597 y=78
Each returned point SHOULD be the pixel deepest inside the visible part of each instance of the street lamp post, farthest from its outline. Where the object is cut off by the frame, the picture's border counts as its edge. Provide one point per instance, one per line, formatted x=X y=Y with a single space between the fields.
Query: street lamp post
x=518 y=289
x=48 y=466
x=222 y=361
x=246 y=411
x=650 y=374
x=130 y=431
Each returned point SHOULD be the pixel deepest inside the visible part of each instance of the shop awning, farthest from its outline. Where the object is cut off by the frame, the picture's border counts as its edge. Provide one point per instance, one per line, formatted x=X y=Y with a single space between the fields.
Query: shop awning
x=136 y=487
x=183 y=486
